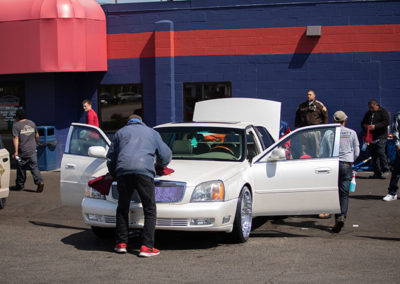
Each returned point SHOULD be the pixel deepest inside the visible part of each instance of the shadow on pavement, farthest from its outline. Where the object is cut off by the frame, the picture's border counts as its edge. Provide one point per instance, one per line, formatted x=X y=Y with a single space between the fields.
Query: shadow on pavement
x=308 y=224
x=57 y=226
x=167 y=240
x=30 y=190
x=381 y=238
x=366 y=197
x=274 y=234
x=285 y=221
x=83 y=240
x=173 y=240
x=86 y=240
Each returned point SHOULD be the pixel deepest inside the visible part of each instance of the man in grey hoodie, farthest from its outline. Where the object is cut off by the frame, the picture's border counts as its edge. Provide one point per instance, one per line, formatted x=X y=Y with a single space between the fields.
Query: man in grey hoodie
x=133 y=155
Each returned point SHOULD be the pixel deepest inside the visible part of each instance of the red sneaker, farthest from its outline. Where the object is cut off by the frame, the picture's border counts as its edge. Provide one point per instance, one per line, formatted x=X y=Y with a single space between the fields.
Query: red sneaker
x=147 y=252
x=120 y=248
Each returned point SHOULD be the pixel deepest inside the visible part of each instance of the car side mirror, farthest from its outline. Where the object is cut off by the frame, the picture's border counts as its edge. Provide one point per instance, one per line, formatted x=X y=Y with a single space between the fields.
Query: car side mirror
x=251 y=155
x=97 y=151
x=277 y=154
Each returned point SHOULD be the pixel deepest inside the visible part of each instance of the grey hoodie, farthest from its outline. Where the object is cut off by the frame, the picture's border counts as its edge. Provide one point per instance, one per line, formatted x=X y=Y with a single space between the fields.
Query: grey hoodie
x=136 y=149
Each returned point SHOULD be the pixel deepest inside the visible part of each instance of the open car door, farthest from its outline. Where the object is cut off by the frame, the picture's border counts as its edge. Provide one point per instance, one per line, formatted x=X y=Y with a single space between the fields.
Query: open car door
x=299 y=174
x=4 y=175
x=77 y=167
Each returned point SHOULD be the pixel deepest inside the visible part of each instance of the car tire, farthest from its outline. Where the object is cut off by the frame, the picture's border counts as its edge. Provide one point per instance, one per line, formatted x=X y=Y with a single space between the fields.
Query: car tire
x=103 y=233
x=243 y=217
x=2 y=202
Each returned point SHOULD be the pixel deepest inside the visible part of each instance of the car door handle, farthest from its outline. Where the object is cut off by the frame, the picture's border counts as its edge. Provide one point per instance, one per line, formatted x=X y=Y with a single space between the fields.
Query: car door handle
x=70 y=166
x=5 y=160
x=323 y=171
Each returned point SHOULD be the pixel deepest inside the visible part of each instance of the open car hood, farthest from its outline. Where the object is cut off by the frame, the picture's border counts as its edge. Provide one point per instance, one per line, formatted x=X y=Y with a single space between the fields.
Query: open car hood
x=258 y=112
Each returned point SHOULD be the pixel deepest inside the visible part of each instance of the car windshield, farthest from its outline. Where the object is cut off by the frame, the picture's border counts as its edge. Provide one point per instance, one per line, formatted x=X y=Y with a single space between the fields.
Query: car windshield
x=204 y=143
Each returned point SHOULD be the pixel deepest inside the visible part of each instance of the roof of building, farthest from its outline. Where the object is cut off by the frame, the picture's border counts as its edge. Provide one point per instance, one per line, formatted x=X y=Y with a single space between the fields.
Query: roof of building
x=52 y=36
x=17 y=10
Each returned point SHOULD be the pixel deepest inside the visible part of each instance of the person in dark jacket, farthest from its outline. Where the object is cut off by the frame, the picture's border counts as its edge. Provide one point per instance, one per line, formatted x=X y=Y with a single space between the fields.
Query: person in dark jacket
x=133 y=155
x=394 y=180
x=311 y=112
x=377 y=119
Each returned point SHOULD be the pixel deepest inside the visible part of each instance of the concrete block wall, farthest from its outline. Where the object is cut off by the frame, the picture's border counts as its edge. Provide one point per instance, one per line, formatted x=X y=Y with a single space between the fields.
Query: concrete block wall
x=261 y=48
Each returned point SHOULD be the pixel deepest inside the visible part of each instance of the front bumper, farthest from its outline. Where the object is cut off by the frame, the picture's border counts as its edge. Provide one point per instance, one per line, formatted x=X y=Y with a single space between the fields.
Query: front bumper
x=199 y=216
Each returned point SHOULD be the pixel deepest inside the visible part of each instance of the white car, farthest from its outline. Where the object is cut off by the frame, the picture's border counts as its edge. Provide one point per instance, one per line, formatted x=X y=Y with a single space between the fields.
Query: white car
x=4 y=175
x=129 y=97
x=226 y=172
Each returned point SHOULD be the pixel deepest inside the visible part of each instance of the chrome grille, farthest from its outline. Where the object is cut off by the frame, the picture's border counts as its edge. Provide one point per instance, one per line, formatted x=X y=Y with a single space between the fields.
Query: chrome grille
x=110 y=219
x=165 y=192
x=172 y=222
x=161 y=222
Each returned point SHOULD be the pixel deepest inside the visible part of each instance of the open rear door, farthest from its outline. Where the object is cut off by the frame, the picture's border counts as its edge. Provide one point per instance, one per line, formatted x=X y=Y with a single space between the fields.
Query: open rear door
x=77 y=167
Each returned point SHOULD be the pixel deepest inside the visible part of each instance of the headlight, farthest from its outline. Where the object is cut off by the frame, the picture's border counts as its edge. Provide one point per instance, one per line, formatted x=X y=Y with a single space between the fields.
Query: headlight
x=92 y=193
x=209 y=191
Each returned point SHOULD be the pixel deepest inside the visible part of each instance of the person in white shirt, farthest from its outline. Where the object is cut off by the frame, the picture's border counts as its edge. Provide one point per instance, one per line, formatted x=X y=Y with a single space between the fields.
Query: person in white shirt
x=349 y=149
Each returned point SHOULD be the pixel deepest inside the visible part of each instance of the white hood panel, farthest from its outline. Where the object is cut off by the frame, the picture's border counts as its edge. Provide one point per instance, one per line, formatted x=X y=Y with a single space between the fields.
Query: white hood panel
x=195 y=172
x=258 y=112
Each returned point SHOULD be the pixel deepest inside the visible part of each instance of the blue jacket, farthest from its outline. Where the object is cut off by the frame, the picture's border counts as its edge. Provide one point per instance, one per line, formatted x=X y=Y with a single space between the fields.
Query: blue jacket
x=136 y=149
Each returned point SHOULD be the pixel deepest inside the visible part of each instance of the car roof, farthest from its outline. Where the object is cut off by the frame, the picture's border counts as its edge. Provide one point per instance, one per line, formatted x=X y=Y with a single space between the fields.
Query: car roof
x=237 y=125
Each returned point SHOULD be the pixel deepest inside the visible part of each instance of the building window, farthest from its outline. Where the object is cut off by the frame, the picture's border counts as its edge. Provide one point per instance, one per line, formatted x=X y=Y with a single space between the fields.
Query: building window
x=11 y=98
x=195 y=92
x=116 y=103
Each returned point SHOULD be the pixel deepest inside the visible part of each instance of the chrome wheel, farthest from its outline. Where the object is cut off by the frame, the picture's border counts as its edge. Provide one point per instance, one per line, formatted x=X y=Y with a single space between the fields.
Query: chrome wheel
x=244 y=216
x=246 y=213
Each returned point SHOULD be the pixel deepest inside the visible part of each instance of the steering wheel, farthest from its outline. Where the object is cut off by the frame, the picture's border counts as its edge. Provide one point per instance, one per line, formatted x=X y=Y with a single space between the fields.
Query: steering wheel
x=226 y=149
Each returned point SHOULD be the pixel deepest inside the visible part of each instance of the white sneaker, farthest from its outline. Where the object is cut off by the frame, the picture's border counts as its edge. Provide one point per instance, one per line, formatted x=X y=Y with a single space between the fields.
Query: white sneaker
x=390 y=197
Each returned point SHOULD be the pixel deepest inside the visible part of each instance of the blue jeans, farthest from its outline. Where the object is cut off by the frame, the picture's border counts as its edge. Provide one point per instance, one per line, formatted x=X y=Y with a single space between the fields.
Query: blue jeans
x=27 y=163
x=144 y=185
x=379 y=158
x=345 y=176
x=394 y=180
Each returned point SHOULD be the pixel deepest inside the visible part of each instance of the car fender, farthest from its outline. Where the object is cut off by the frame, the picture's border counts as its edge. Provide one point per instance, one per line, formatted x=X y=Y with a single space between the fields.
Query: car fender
x=234 y=184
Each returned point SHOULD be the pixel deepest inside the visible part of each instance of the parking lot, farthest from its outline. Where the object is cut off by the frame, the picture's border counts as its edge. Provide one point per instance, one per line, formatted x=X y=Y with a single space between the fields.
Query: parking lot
x=44 y=242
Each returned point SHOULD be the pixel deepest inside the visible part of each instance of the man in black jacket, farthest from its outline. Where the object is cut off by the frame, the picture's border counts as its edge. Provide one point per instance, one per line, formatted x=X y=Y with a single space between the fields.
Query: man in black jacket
x=378 y=120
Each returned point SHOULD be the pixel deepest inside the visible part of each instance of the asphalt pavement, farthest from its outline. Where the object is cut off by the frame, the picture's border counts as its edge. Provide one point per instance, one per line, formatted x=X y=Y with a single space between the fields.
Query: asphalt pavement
x=44 y=242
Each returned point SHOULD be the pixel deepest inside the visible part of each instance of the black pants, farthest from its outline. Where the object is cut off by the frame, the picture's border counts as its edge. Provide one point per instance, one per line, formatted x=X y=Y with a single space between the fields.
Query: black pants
x=345 y=176
x=394 y=180
x=144 y=185
x=27 y=163
x=379 y=158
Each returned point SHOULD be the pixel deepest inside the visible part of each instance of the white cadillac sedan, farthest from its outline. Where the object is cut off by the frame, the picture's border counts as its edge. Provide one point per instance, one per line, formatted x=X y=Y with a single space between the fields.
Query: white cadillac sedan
x=229 y=167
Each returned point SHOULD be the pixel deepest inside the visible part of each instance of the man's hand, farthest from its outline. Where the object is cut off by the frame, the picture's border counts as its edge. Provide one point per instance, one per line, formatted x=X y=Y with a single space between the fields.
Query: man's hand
x=372 y=127
x=16 y=154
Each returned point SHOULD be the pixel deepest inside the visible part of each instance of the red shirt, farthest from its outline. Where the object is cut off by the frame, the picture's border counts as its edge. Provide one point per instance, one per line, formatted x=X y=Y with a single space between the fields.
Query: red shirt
x=91 y=118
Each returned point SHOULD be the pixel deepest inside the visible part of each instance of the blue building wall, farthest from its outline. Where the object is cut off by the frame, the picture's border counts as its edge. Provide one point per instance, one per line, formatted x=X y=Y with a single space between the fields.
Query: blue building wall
x=341 y=80
x=55 y=99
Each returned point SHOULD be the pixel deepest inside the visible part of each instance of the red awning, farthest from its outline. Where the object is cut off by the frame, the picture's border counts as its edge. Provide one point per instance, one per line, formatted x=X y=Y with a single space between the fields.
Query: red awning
x=52 y=36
